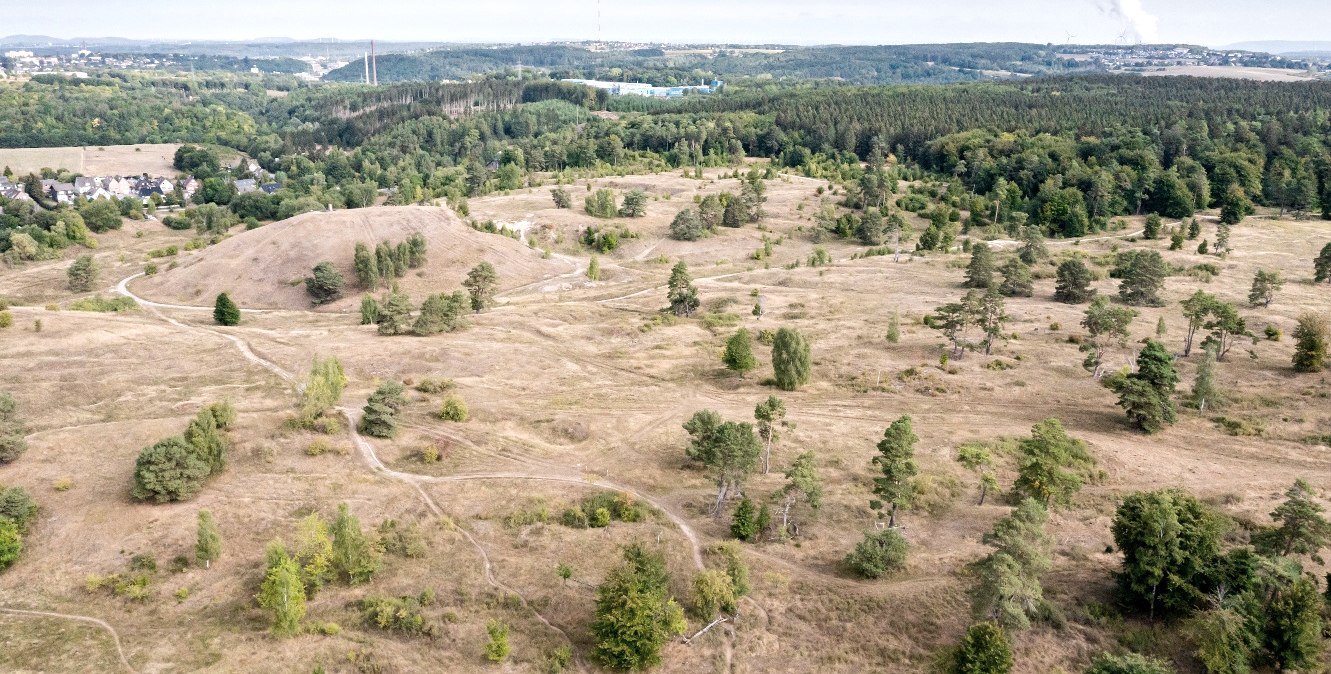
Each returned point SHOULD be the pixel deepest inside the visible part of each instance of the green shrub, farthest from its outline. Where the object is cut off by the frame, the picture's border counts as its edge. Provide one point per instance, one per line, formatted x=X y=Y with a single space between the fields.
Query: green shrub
x=399 y=614
x=104 y=304
x=454 y=409
x=880 y=553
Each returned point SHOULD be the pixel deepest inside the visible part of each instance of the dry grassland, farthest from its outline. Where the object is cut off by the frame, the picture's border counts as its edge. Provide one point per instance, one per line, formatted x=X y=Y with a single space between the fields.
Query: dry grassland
x=572 y=378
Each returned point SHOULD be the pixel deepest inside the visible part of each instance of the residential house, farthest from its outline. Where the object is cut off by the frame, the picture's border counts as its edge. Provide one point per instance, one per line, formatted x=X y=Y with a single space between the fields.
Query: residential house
x=246 y=186
x=62 y=193
x=269 y=188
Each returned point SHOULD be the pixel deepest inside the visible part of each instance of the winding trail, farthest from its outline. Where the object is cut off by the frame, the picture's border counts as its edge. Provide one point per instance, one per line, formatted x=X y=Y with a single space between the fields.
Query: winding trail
x=115 y=636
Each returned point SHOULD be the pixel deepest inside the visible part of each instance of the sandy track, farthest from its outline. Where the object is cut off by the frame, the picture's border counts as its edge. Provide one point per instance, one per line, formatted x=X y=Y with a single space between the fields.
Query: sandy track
x=115 y=636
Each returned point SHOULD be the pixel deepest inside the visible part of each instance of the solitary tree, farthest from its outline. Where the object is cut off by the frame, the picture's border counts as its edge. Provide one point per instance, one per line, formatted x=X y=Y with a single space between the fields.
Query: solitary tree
x=1007 y=586
x=1310 y=347
x=367 y=267
x=769 y=414
x=635 y=205
x=481 y=284
x=1265 y=285
x=1147 y=394
x=379 y=417
x=1170 y=541
x=984 y=650
x=324 y=284
x=1226 y=326
x=1234 y=206
x=896 y=462
x=561 y=198
x=681 y=293
x=687 y=226
x=1153 y=227
x=1204 y=391
x=1051 y=465
x=1016 y=279
x=283 y=593
x=82 y=274
x=1032 y=245
x=978 y=459
x=987 y=314
x=1196 y=308
x=802 y=484
x=980 y=271
x=880 y=553
x=1074 y=282
x=1301 y=528
x=1106 y=326
x=791 y=360
x=354 y=560
x=225 y=312
x=1143 y=276
x=729 y=449
x=738 y=355
x=635 y=615
x=1322 y=265
x=209 y=545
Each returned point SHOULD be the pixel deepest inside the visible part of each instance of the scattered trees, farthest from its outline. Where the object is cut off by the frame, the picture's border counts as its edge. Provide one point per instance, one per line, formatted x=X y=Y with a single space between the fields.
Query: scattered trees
x=600 y=204
x=1074 y=282
x=791 y=360
x=82 y=274
x=802 y=484
x=1195 y=309
x=324 y=284
x=321 y=391
x=682 y=294
x=482 y=282
x=635 y=614
x=738 y=355
x=225 y=312
x=896 y=462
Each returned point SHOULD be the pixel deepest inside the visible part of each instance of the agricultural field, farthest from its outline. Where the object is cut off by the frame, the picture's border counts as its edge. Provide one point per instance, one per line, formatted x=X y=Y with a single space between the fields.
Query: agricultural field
x=152 y=159
x=579 y=387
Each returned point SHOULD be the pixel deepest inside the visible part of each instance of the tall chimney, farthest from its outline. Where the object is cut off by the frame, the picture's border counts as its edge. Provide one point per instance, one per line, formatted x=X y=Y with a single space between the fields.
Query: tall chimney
x=366 y=56
x=374 y=65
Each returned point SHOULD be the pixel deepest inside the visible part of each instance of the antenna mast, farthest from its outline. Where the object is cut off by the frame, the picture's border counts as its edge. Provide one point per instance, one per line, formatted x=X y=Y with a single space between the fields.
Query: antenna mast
x=374 y=65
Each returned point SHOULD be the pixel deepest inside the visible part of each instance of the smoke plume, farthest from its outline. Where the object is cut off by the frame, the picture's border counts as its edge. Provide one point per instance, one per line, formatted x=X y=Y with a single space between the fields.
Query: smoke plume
x=1139 y=25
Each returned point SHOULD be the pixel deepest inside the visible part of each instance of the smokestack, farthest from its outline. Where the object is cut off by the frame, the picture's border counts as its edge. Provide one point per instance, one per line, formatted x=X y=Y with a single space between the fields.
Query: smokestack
x=374 y=65
x=366 y=56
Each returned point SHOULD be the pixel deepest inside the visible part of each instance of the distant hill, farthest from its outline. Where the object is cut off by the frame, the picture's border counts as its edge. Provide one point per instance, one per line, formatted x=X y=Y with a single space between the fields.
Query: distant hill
x=29 y=40
x=1283 y=47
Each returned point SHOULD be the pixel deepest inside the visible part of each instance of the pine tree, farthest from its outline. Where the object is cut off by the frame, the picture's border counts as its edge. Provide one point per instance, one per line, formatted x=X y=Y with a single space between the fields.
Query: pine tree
x=682 y=294
x=481 y=283
x=1265 y=285
x=82 y=274
x=441 y=313
x=1322 y=265
x=1051 y=465
x=369 y=310
x=1152 y=228
x=880 y=553
x=225 y=312
x=893 y=328
x=379 y=418
x=738 y=356
x=980 y=271
x=1032 y=248
x=594 y=269
x=1007 y=588
x=1147 y=394
x=791 y=360
x=324 y=284
x=209 y=540
x=744 y=523
x=1016 y=279
x=1161 y=329
x=802 y=484
x=635 y=205
x=1074 y=282
x=354 y=560
x=896 y=461
x=635 y=615
x=1194 y=229
x=1234 y=207
x=1143 y=276
x=1302 y=529
x=1310 y=347
x=395 y=313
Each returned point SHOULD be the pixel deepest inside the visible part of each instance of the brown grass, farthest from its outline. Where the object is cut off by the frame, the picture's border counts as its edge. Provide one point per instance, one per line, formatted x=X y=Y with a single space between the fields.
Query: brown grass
x=564 y=354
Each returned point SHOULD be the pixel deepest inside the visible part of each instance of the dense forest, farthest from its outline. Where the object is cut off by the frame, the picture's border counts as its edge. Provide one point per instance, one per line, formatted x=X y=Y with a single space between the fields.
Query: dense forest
x=1067 y=153
x=890 y=64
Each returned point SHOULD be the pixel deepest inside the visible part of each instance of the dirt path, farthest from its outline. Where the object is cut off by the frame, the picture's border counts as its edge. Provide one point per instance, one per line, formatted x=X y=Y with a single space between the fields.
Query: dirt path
x=115 y=636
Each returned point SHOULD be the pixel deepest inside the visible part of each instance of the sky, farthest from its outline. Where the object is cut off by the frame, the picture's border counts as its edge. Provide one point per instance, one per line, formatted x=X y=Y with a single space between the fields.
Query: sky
x=1205 y=22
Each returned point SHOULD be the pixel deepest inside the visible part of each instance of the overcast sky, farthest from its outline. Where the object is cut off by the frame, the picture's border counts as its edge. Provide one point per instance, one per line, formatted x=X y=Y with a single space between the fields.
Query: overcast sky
x=1208 y=22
